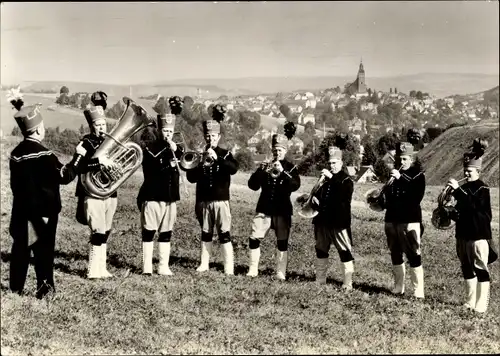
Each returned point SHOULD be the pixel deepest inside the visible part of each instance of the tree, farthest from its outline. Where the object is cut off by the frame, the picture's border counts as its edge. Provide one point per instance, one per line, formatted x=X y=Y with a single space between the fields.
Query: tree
x=64 y=90
x=386 y=143
x=245 y=159
x=395 y=90
x=352 y=110
x=188 y=102
x=63 y=99
x=263 y=147
x=390 y=90
x=419 y=95
x=85 y=102
x=413 y=94
x=369 y=92
x=369 y=156
x=381 y=170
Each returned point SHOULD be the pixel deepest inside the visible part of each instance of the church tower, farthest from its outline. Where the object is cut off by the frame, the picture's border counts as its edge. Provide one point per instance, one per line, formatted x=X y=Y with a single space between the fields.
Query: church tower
x=361 y=79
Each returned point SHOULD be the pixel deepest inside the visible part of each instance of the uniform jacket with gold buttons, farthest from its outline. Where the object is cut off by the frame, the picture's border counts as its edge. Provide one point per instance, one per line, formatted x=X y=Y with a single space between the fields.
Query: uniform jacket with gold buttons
x=274 y=199
x=335 y=198
x=404 y=196
x=161 y=176
x=212 y=183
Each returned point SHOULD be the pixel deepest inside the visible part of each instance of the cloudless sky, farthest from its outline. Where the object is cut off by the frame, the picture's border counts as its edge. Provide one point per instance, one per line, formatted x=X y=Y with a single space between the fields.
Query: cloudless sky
x=131 y=43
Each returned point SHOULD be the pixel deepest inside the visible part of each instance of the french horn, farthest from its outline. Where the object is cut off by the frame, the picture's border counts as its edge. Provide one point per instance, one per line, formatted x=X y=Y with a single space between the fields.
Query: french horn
x=118 y=147
x=444 y=215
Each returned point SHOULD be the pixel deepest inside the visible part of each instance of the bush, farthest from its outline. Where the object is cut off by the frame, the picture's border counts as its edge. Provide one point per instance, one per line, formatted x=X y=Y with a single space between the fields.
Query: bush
x=245 y=159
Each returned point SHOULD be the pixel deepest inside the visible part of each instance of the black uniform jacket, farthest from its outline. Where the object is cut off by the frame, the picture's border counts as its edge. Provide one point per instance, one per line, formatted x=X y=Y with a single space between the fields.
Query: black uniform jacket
x=161 y=176
x=212 y=183
x=274 y=199
x=35 y=177
x=335 y=198
x=403 y=197
x=474 y=211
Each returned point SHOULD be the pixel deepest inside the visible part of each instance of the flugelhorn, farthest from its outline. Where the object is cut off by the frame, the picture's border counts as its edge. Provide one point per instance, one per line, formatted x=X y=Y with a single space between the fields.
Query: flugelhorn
x=307 y=209
x=375 y=198
x=444 y=215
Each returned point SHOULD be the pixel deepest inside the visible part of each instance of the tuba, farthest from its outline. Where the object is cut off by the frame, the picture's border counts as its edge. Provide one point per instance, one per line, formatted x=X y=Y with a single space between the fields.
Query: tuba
x=307 y=210
x=444 y=215
x=125 y=154
x=375 y=198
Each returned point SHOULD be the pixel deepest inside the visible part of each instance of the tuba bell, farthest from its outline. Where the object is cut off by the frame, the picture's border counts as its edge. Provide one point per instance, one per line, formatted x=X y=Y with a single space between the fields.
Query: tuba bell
x=125 y=154
x=444 y=215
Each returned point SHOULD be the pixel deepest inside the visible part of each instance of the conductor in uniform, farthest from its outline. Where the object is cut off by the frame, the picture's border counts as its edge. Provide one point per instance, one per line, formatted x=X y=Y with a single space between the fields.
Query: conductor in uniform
x=35 y=178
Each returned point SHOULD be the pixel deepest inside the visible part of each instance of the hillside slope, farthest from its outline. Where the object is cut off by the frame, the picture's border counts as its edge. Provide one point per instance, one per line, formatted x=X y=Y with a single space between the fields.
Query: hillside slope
x=442 y=157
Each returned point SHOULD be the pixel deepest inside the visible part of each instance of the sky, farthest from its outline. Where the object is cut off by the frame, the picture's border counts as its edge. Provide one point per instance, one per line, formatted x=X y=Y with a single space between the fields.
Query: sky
x=133 y=43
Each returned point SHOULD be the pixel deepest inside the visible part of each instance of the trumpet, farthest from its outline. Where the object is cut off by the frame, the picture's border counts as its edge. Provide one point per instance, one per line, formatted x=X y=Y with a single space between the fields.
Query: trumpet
x=271 y=167
x=307 y=210
x=442 y=216
x=375 y=197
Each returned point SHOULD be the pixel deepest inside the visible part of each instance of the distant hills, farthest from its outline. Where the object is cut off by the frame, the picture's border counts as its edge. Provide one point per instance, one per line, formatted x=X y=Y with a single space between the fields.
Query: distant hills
x=442 y=158
x=441 y=85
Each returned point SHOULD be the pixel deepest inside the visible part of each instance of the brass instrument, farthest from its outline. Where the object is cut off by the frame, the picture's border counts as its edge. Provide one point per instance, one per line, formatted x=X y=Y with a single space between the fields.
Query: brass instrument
x=182 y=181
x=442 y=216
x=271 y=167
x=191 y=159
x=307 y=210
x=375 y=197
x=125 y=154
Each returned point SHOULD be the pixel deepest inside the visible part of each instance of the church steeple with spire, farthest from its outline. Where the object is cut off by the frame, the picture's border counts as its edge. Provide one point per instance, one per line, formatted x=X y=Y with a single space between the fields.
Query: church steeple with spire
x=361 y=78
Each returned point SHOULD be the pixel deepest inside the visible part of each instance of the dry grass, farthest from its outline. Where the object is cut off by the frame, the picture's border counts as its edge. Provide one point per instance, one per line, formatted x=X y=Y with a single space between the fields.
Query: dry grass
x=210 y=313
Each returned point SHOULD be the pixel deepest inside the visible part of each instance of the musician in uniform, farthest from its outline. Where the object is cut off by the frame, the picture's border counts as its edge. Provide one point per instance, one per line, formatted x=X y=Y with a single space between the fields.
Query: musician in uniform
x=35 y=178
x=333 y=222
x=159 y=193
x=212 y=195
x=274 y=208
x=473 y=232
x=403 y=220
x=96 y=213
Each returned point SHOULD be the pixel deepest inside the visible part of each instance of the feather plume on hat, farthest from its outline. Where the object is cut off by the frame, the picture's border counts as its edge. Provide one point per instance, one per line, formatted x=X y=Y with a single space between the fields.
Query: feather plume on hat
x=219 y=112
x=176 y=104
x=99 y=98
x=473 y=158
x=15 y=97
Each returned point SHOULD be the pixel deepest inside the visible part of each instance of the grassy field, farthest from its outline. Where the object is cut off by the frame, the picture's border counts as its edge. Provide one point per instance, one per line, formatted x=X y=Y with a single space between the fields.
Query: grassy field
x=210 y=313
